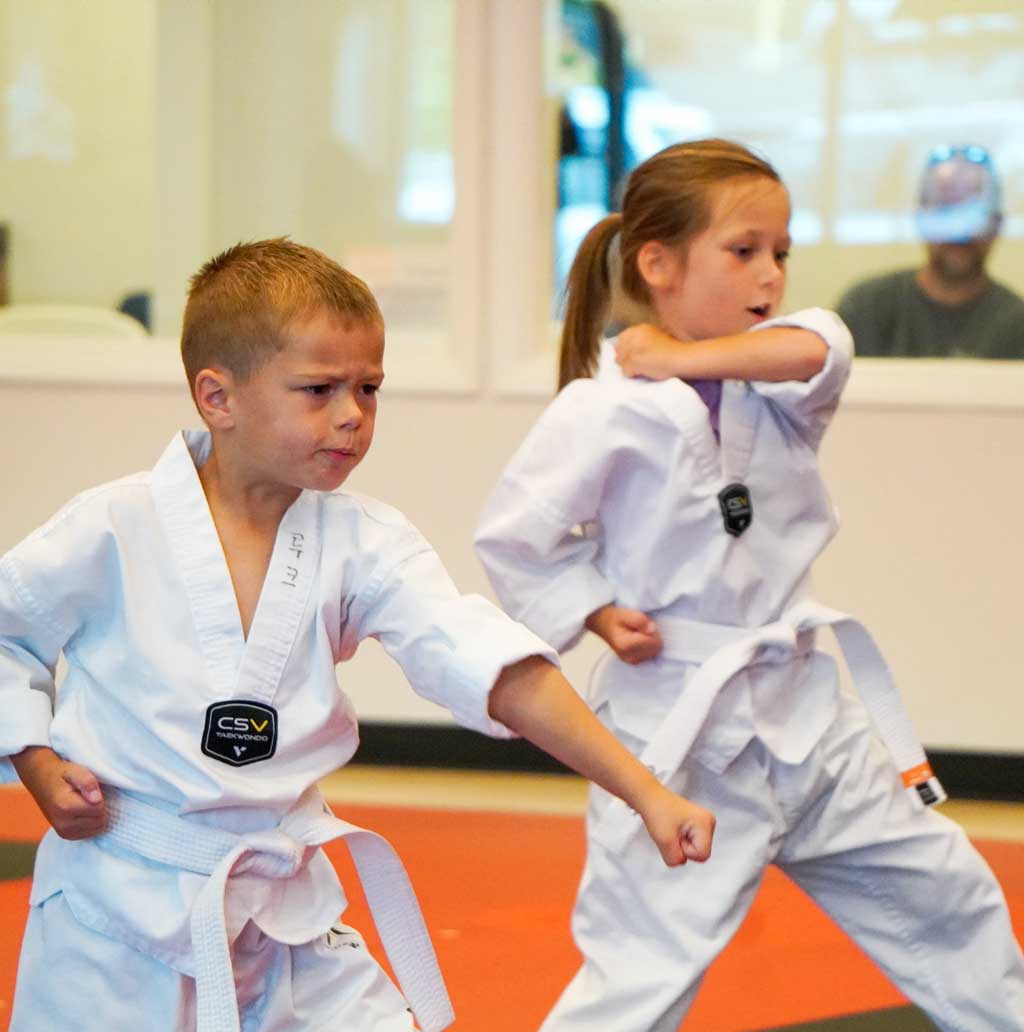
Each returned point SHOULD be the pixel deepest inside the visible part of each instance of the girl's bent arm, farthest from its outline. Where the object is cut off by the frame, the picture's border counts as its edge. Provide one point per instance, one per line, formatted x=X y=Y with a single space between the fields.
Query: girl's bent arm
x=774 y=354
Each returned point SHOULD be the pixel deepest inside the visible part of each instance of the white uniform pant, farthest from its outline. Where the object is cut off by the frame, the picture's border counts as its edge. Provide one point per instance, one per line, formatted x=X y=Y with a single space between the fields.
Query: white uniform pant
x=73 y=979
x=904 y=882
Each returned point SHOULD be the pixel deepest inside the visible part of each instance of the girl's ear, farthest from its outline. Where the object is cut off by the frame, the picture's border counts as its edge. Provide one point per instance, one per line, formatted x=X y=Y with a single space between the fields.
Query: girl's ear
x=215 y=393
x=657 y=264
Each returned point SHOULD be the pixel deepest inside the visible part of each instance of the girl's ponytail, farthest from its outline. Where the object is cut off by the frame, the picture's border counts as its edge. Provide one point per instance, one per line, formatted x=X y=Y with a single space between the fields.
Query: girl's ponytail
x=588 y=297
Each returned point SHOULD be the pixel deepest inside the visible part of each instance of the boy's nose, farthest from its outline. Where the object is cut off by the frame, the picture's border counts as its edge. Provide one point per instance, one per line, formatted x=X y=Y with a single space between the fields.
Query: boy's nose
x=348 y=413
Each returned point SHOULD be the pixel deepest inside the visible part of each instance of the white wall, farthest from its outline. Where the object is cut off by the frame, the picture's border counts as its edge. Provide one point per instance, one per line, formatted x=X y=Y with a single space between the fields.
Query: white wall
x=929 y=555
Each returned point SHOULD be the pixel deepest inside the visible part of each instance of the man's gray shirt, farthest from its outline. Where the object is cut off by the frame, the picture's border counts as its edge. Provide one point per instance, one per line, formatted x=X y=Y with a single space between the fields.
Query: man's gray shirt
x=891 y=315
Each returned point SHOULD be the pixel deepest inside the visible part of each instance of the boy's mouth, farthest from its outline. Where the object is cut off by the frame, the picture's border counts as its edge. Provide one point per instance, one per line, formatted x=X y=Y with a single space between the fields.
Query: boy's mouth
x=761 y=311
x=341 y=453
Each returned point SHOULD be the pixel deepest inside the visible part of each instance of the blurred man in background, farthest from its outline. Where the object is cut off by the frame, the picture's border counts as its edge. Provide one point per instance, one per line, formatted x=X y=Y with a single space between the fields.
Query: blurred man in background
x=950 y=306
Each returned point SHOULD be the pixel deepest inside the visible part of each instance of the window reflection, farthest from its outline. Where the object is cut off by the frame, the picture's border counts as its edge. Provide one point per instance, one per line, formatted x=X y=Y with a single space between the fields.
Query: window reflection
x=334 y=128
x=77 y=176
x=846 y=97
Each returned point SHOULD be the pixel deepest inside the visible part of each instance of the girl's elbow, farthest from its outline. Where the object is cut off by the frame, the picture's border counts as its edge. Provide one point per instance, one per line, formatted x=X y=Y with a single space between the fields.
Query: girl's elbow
x=813 y=359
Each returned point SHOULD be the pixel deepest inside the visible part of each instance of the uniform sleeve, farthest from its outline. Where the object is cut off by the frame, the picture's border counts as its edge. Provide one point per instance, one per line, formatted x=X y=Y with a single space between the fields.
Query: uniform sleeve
x=50 y=584
x=451 y=647
x=809 y=405
x=529 y=539
x=30 y=644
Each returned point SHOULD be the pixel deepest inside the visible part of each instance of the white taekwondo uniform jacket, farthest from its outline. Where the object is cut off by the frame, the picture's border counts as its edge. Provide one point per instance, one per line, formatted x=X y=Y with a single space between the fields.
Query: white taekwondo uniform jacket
x=129 y=580
x=613 y=497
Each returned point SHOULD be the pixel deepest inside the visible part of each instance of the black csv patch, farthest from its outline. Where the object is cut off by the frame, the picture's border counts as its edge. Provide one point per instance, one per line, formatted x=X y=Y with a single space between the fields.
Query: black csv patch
x=240 y=732
x=737 y=510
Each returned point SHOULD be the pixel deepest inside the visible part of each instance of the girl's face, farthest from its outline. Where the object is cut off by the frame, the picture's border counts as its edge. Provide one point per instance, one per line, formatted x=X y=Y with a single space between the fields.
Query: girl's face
x=733 y=274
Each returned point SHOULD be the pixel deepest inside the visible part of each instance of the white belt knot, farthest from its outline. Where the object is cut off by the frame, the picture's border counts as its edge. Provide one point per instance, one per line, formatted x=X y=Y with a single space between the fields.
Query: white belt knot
x=168 y=839
x=723 y=651
x=777 y=643
x=272 y=854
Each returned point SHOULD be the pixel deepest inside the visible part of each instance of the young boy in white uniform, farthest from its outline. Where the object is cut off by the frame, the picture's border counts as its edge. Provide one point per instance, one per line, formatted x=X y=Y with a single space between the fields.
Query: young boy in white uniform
x=201 y=609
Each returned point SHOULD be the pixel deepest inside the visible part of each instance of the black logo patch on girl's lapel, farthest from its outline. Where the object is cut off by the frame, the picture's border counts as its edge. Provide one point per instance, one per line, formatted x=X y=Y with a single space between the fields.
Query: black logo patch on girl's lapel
x=737 y=510
x=240 y=732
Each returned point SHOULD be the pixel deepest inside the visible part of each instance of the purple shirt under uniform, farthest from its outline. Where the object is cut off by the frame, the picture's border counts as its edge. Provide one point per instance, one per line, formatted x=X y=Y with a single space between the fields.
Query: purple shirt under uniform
x=710 y=392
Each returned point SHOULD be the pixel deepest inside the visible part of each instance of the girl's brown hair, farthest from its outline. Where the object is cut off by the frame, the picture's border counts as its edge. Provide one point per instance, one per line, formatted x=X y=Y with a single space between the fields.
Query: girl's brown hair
x=667 y=199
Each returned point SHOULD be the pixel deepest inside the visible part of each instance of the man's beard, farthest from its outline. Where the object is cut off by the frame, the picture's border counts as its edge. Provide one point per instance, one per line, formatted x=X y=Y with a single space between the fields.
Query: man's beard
x=955 y=267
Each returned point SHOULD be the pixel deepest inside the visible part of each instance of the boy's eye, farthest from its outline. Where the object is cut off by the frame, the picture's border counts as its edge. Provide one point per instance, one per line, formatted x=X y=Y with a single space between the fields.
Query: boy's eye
x=317 y=389
x=370 y=388
x=782 y=257
x=743 y=251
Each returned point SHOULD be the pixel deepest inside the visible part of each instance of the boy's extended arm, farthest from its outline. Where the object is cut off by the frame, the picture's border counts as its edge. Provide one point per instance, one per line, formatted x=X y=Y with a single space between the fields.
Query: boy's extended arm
x=532 y=698
x=772 y=355
x=68 y=794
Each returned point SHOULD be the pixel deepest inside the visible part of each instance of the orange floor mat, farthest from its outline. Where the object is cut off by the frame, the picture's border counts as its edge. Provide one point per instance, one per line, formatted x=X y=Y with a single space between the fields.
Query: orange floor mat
x=497 y=890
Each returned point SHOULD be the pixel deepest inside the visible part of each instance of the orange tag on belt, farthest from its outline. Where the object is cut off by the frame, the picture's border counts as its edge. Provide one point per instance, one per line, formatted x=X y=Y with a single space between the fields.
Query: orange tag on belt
x=916 y=775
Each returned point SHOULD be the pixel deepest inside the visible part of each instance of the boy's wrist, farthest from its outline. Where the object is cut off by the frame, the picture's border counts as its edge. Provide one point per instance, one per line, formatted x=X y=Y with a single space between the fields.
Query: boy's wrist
x=646 y=793
x=33 y=758
x=598 y=620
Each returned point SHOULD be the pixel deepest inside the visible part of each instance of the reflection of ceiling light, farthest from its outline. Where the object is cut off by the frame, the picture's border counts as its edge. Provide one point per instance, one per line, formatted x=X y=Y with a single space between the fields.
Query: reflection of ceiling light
x=873 y=10
x=998 y=21
x=956 y=25
x=768 y=34
x=38 y=124
x=588 y=107
x=427 y=191
x=901 y=31
x=805 y=227
x=653 y=121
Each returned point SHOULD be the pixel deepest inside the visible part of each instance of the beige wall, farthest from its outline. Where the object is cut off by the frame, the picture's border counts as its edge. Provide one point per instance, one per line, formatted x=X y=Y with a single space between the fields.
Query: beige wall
x=77 y=170
x=928 y=481
x=930 y=554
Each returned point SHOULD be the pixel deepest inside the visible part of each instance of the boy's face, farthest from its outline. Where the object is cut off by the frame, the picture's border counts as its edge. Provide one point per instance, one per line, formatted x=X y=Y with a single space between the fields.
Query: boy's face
x=305 y=418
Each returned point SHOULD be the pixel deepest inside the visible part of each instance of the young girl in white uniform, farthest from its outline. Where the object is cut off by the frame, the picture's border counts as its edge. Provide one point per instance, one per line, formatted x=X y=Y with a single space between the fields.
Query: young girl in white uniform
x=669 y=500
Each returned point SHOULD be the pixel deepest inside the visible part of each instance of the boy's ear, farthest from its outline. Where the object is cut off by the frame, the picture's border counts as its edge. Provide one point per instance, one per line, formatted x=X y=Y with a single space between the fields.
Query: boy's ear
x=657 y=264
x=215 y=391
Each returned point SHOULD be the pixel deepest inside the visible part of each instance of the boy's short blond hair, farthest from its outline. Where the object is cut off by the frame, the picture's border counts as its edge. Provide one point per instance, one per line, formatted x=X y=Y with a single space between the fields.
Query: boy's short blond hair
x=241 y=302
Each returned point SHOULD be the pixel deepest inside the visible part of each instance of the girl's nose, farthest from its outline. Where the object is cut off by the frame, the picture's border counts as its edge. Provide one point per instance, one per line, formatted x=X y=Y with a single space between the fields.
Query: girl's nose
x=773 y=273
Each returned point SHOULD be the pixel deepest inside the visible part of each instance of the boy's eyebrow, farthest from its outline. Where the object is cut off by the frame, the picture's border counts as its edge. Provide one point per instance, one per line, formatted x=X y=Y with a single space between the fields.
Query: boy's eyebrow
x=333 y=373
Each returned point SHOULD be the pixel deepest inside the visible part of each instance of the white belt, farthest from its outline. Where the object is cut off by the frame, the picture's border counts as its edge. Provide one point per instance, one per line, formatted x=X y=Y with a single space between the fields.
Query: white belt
x=172 y=840
x=724 y=651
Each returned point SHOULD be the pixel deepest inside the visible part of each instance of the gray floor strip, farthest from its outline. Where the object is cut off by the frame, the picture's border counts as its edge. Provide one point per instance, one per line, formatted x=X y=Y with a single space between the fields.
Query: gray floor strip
x=899 y=1019
x=16 y=859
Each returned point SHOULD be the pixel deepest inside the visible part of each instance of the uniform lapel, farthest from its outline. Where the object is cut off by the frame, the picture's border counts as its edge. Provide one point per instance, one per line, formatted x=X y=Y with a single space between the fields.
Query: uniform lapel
x=198 y=556
x=737 y=427
x=283 y=600
x=238 y=668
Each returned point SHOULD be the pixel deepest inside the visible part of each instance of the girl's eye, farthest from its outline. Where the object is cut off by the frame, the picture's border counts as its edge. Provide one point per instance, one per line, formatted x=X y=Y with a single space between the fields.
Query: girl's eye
x=782 y=257
x=743 y=252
